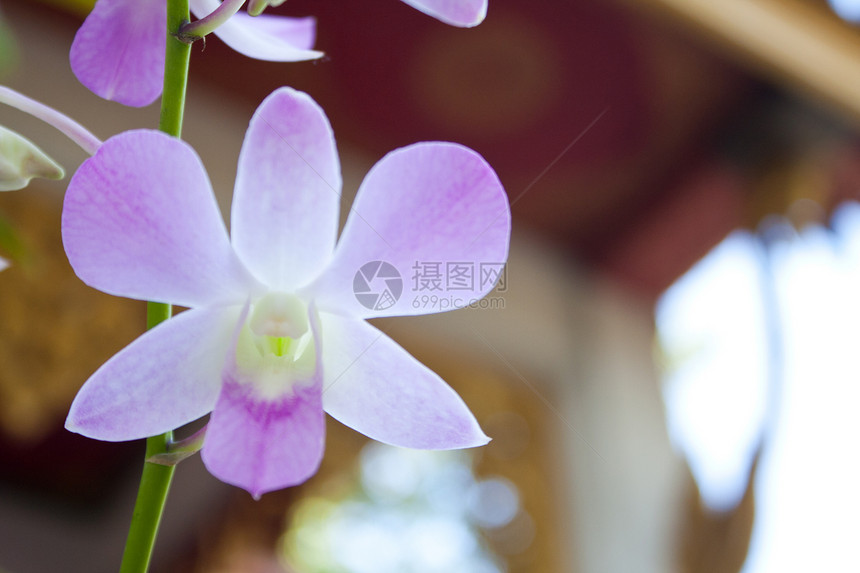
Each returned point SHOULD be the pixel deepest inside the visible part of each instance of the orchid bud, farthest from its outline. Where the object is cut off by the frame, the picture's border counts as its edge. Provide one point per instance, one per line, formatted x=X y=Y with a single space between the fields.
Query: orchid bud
x=21 y=160
x=256 y=7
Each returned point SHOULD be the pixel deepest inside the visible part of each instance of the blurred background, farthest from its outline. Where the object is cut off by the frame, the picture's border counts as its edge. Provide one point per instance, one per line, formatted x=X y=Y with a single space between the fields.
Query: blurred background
x=668 y=369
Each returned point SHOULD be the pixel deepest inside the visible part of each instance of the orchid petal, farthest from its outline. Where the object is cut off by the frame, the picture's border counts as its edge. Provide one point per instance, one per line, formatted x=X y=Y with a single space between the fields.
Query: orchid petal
x=262 y=443
x=377 y=388
x=118 y=52
x=140 y=221
x=437 y=204
x=264 y=37
x=168 y=377
x=287 y=194
x=264 y=446
x=463 y=13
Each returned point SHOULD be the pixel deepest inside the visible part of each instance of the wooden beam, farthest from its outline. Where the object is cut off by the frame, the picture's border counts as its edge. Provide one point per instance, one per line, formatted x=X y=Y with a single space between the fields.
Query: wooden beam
x=793 y=42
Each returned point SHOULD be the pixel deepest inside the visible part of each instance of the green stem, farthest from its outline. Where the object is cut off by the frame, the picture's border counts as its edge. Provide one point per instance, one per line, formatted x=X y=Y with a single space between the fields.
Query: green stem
x=156 y=478
x=151 y=496
x=175 y=70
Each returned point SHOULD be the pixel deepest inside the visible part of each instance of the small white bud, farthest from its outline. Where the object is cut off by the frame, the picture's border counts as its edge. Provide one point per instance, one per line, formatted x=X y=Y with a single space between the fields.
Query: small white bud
x=21 y=160
x=256 y=7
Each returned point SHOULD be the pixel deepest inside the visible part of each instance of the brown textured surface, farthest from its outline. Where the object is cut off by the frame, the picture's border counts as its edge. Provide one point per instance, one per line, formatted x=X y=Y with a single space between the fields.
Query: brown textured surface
x=55 y=332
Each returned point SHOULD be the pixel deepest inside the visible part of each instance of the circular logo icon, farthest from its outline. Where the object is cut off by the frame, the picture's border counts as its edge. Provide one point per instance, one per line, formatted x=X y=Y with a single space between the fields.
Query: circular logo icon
x=377 y=285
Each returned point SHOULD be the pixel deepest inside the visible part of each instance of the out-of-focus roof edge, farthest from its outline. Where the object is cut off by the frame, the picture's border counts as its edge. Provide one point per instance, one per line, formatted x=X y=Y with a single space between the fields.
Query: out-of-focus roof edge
x=803 y=46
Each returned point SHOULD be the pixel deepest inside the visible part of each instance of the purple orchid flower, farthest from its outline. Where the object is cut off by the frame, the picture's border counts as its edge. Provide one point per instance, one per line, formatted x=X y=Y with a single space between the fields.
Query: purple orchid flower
x=276 y=331
x=118 y=52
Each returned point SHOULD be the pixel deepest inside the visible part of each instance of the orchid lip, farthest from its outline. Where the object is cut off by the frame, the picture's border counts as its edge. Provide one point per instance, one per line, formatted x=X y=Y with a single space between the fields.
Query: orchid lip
x=279 y=315
x=275 y=349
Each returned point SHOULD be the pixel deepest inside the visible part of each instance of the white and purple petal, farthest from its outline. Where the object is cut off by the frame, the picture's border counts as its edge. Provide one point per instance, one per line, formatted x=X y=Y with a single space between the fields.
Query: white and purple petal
x=140 y=220
x=462 y=13
x=437 y=204
x=287 y=195
x=118 y=52
x=263 y=446
x=168 y=377
x=264 y=37
x=377 y=388
x=262 y=442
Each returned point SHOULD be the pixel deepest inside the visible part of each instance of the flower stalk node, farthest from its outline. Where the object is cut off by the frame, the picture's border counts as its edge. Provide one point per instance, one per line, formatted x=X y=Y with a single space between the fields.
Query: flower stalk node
x=180 y=450
x=186 y=37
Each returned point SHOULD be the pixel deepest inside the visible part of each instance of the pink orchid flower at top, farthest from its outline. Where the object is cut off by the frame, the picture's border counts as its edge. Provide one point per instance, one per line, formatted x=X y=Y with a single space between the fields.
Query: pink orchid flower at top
x=119 y=51
x=462 y=13
x=276 y=332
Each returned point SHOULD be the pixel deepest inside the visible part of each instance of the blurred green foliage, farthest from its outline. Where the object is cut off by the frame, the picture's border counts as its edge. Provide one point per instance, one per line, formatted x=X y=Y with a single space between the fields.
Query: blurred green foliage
x=8 y=51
